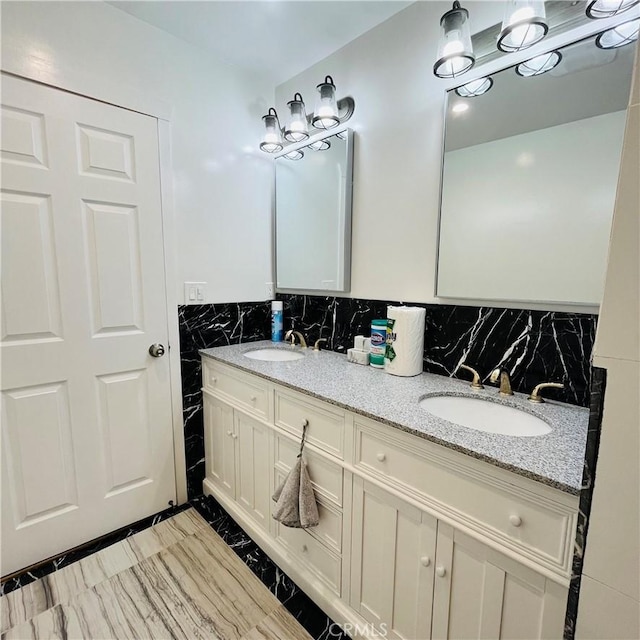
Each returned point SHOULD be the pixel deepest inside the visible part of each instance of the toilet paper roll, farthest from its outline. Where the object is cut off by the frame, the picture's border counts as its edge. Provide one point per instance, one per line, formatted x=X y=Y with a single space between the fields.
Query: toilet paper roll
x=405 y=341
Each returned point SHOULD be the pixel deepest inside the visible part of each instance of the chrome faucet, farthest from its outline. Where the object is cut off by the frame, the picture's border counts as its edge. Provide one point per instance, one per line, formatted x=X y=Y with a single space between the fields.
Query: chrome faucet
x=292 y=334
x=476 y=384
x=505 y=383
x=535 y=394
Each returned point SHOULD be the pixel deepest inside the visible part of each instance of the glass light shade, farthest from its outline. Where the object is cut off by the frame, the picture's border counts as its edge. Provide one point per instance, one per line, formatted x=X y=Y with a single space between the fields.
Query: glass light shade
x=455 y=51
x=294 y=155
x=475 y=88
x=624 y=33
x=342 y=135
x=608 y=8
x=326 y=114
x=272 y=140
x=524 y=24
x=297 y=128
x=320 y=145
x=539 y=65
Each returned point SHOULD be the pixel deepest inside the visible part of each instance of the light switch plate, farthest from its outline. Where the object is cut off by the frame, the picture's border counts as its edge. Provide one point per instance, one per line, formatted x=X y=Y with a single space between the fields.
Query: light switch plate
x=195 y=292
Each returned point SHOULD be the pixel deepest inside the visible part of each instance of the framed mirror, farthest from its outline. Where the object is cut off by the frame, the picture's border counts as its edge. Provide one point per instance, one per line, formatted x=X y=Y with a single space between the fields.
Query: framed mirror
x=530 y=169
x=313 y=204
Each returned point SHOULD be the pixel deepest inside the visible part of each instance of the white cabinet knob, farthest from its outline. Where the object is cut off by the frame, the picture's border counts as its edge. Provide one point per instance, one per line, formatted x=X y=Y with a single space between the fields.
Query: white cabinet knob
x=214 y=380
x=515 y=520
x=235 y=436
x=305 y=423
x=425 y=561
x=304 y=548
x=253 y=398
x=441 y=572
x=381 y=457
x=229 y=433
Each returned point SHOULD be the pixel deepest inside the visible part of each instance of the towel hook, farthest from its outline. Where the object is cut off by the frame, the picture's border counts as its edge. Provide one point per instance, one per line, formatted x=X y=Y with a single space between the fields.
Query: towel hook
x=305 y=424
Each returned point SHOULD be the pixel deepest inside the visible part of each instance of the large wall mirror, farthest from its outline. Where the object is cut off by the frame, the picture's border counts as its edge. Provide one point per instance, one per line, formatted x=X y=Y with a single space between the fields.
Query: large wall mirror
x=529 y=179
x=313 y=215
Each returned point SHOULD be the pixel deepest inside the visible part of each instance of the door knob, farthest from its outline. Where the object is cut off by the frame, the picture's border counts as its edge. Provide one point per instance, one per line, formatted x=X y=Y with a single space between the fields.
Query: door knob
x=156 y=350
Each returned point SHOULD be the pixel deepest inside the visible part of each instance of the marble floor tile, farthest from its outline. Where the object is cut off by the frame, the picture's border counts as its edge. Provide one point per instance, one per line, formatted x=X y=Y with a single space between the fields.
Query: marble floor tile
x=62 y=585
x=182 y=582
x=279 y=625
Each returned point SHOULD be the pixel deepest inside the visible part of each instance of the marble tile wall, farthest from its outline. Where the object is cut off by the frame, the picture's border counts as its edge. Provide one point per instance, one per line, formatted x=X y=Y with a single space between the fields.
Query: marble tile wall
x=596 y=408
x=201 y=327
x=534 y=346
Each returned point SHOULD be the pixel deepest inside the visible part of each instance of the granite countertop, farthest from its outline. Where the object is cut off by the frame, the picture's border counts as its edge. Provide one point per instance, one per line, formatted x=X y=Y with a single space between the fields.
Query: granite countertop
x=555 y=459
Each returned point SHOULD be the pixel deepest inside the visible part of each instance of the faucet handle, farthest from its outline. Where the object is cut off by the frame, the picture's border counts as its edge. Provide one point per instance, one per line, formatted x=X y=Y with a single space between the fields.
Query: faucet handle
x=475 y=384
x=535 y=394
x=505 y=383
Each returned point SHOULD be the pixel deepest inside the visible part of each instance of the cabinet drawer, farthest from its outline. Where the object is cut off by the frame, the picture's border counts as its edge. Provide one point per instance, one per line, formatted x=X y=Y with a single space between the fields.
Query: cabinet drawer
x=325 y=426
x=313 y=556
x=528 y=523
x=247 y=392
x=329 y=529
x=326 y=476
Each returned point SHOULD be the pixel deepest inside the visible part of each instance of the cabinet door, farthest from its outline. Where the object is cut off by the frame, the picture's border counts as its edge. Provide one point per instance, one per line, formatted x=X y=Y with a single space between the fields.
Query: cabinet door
x=392 y=562
x=480 y=593
x=253 y=468
x=219 y=444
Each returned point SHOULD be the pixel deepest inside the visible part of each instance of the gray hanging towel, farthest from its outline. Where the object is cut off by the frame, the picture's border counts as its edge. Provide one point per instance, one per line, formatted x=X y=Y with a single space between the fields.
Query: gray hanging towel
x=295 y=501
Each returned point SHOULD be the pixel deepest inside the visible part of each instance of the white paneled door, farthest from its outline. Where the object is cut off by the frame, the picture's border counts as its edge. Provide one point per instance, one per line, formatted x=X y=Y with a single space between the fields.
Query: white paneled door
x=87 y=443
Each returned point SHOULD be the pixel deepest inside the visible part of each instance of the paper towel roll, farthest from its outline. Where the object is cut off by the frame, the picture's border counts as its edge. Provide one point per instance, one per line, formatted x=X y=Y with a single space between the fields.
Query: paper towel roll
x=406 y=340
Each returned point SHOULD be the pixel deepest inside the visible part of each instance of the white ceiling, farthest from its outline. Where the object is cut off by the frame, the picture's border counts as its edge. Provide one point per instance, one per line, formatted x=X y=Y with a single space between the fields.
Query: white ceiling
x=279 y=38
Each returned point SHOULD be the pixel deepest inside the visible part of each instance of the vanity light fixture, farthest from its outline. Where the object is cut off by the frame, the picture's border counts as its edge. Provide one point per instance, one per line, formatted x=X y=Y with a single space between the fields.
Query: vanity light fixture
x=297 y=128
x=618 y=36
x=608 y=8
x=272 y=140
x=329 y=113
x=524 y=24
x=539 y=65
x=455 y=51
x=475 y=88
x=296 y=154
x=326 y=114
x=320 y=145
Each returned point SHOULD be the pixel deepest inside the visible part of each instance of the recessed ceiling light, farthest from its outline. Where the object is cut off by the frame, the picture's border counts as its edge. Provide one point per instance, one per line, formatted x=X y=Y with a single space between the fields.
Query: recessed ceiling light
x=539 y=65
x=624 y=33
x=475 y=88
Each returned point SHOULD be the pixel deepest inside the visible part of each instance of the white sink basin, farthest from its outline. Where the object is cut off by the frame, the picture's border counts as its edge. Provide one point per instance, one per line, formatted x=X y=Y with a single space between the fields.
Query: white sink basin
x=484 y=415
x=274 y=355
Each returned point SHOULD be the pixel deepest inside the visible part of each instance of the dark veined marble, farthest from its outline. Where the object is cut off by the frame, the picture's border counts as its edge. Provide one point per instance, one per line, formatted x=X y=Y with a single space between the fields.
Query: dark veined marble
x=202 y=327
x=596 y=408
x=534 y=346
x=31 y=574
x=308 y=614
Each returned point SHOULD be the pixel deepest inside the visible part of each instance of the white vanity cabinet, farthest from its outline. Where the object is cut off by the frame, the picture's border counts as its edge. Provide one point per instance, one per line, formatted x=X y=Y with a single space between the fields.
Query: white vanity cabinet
x=392 y=564
x=415 y=540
